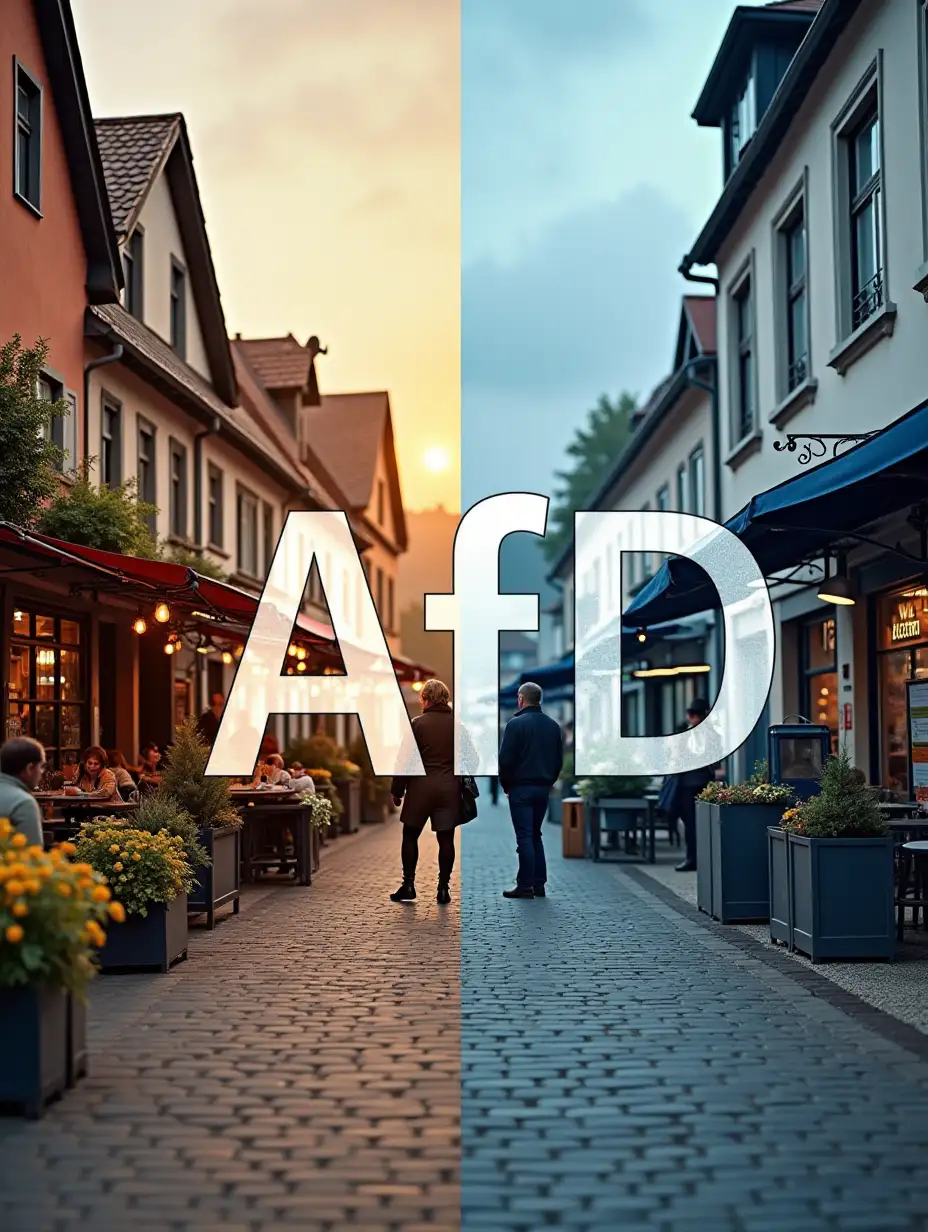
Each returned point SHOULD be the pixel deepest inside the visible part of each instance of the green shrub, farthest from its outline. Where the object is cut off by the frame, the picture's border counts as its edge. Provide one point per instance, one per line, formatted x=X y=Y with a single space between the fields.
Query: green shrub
x=844 y=808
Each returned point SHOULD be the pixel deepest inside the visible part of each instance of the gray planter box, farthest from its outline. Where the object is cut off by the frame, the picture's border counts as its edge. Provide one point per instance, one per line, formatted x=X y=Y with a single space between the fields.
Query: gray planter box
x=778 y=869
x=841 y=897
x=219 y=882
x=739 y=862
x=349 y=792
x=704 y=812
x=556 y=805
x=147 y=943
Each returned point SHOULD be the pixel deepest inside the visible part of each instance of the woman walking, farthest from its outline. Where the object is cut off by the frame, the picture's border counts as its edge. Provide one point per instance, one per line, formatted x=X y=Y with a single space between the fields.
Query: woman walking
x=437 y=796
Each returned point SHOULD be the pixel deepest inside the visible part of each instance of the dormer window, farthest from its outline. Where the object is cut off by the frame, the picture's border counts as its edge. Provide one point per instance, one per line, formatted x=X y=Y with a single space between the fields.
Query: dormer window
x=743 y=120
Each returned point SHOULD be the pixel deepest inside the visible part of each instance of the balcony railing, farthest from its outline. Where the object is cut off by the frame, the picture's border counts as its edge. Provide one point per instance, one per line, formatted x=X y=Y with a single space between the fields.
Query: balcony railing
x=868 y=300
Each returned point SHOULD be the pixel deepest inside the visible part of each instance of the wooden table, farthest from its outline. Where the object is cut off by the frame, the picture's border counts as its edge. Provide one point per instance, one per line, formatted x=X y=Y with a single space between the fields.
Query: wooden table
x=275 y=810
x=77 y=809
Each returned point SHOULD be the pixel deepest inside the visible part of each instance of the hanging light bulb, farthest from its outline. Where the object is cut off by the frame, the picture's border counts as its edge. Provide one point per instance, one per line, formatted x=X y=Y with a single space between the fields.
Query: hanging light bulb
x=203 y=647
x=301 y=653
x=162 y=613
x=239 y=651
x=301 y=666
x=169 y=648
x=226 y=657
x=140 y=624
x=291 y=651
x=642 y=636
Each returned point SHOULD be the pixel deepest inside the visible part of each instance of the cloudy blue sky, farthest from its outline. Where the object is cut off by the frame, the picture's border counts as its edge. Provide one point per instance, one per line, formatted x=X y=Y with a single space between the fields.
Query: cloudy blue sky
x=584 y=182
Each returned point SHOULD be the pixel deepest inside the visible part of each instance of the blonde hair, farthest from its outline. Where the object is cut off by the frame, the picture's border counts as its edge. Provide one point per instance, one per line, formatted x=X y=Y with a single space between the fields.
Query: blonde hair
x=435 y=693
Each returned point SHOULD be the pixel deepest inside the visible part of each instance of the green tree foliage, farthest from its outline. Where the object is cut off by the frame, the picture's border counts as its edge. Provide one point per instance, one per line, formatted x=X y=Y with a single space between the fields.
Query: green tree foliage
x=29 y=461
x=845 y=806
x=207 y=800
x=111 y=519
x=593 y=452
x=193 y=560
x=157 y=812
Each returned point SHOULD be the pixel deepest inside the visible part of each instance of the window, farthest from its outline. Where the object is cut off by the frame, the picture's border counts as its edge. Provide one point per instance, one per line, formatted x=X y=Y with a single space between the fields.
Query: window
x=819 y=685
x=247 y=533
x=62 y=430
x=133 y=270
x=865 y=185
x=698 y=483
x=270 y=540
x=146 y=466
x=379 y=598
x=743 y=417
x=797 y=309
x=178 y=308
x=216 y=526
x=27 y=150
x=381 y=502
x=683 y=491
x=178 y=490
x=663 y=499
x=390 y=601
x=743 y=122
x=48 y=687
x=110 y=442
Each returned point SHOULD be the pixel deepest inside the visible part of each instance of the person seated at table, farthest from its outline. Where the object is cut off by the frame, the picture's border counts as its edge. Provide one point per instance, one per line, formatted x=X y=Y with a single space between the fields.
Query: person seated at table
x=124 y=780
x=22 y=762
x=95 y=780
x=150 y=764
x=301 y=781
x=271 y=771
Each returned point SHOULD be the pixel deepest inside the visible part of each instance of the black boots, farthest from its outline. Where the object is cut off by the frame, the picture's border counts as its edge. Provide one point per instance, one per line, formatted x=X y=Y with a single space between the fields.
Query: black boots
x=405 y=894
x=444 y=894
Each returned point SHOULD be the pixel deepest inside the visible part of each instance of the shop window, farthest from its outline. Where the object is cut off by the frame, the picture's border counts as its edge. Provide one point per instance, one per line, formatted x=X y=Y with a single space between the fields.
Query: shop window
x=820 y=676
x=47 y=690
x=902 y=623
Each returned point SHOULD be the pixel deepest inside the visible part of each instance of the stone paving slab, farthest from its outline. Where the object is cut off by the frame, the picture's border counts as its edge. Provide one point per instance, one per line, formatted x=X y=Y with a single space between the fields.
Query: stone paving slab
x=624 y=1067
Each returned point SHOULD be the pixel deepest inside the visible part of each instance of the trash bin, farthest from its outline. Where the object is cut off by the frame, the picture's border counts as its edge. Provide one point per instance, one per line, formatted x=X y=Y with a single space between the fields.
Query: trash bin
x=573 y=828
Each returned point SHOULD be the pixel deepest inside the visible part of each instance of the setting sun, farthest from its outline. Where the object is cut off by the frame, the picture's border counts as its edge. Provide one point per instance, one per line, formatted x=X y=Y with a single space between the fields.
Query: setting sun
x=435 y=459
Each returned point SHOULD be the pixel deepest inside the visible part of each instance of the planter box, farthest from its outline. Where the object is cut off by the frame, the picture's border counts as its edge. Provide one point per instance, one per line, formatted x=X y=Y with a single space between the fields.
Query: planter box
x=739 y=861
x=778 y=872
x=841 y=897
x=556 y=803
x=316 y=841
x=373 y=811
x=218 y=883
x=148 y=943
x=349 y=792
x=704 y=812
x=34 y=1056
x=77 y=1040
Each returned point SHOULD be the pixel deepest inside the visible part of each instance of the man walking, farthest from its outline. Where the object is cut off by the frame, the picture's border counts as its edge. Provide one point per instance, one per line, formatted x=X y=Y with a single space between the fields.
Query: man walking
x=21 y=764
x=530 y=760
x=208 y=722
x=688 y=786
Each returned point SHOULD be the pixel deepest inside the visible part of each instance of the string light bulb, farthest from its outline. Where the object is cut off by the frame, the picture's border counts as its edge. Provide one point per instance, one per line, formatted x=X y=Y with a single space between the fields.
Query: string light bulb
x=226 y=657
x=169 y=648
x=291 y=651
x=642 y=636
x=140 y=624
x=162 y=613
x=301 y=666
x=300 y=653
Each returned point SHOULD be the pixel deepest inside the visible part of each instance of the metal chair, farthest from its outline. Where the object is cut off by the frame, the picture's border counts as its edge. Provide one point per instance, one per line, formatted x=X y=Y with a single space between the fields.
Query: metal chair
x=631 y=820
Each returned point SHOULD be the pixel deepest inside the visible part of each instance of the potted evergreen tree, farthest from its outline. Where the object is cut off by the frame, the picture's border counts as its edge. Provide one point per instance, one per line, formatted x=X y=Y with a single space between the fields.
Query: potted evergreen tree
x=837 y=879
x=207 y=800
x=732 y=878
x=52 y=917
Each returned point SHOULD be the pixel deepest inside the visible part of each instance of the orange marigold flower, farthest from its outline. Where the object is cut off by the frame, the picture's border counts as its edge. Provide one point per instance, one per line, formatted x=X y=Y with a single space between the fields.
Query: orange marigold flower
x=14 y=934
x=63 y=889
x=20 y=909
x=14 y=887
x=118 y=866
x=117 y=912
x=101 y=894
x=18 y=840
x=67 y=849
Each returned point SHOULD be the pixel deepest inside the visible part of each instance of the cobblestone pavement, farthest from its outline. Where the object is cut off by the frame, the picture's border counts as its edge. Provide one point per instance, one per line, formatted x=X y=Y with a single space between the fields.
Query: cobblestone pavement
x=595 y=1060
x=625 y=1068
x=300 y=1070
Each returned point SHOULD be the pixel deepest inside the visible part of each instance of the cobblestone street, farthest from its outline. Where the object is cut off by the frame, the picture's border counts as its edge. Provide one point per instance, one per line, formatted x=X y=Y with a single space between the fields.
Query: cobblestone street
x=598 y=1059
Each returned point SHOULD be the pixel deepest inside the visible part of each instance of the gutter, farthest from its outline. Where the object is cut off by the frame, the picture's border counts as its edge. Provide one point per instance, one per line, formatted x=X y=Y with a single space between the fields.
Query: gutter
x=113 y=358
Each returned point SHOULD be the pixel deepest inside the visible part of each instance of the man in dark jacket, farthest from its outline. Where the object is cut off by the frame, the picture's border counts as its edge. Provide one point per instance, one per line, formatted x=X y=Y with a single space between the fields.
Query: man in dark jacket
x=530 y=761
x=688 y=787
x=208 y=722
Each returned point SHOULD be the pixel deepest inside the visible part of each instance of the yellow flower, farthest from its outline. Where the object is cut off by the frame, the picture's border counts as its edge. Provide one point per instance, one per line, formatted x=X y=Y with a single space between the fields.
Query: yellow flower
x=67 y=849
x=114 y=850
x=117 y=912
x=5 y=827
x=63 y=889
x=20 y=909
x=95 y=933
x=136 y=856
x=101 y=894
x=18 y=840
x=14 y=888
x=117 y=867
x=85 y=870
x=14 y=934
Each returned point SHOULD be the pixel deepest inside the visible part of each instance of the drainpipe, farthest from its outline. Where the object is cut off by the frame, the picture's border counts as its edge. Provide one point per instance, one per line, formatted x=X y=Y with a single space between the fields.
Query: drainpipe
x=212 y=430
x=89 y=367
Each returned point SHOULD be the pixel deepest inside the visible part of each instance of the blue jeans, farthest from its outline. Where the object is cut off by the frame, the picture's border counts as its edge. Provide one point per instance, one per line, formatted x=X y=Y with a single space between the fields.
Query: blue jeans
x=528 y=807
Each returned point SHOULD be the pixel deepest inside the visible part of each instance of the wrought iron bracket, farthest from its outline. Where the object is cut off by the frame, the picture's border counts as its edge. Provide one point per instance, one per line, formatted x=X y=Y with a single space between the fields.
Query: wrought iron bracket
x=816 y=446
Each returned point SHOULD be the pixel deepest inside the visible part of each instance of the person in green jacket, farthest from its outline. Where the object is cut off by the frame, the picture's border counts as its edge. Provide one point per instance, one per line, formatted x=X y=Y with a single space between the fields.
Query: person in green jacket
x=22 y=762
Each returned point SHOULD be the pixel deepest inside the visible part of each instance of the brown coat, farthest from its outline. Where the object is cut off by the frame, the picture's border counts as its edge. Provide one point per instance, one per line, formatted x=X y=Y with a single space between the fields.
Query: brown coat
x=437 y=796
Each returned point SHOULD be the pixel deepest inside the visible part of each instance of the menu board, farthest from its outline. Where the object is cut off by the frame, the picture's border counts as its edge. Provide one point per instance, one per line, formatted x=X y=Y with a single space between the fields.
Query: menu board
x=918 y=737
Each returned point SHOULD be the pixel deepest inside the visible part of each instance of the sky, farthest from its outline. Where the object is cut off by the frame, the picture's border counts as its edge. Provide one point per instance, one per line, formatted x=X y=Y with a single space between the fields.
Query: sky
x=479 y=205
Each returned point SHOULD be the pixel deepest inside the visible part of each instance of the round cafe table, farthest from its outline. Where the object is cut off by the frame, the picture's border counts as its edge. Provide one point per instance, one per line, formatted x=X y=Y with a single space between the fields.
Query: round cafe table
x=76 y=809
x=913 y=872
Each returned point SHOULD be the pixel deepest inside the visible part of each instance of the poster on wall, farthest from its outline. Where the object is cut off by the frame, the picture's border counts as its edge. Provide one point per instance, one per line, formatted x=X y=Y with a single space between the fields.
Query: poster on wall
x=918 y=737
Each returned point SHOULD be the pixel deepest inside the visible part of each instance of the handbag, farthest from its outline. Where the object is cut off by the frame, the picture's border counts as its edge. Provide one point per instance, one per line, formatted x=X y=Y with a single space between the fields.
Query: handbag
x=469 y=793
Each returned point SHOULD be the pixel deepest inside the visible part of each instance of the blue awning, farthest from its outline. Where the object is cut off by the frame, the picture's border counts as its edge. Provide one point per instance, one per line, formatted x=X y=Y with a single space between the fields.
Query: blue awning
x=801 y=517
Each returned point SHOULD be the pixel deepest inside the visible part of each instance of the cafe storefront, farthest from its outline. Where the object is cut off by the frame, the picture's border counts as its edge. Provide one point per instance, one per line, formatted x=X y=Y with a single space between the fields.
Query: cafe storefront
x=901 y=629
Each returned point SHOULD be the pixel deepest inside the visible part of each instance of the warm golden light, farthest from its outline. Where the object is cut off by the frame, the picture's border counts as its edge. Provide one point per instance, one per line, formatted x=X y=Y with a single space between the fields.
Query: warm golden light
x=291 y=651
x=300 y=653
x=301 y=666
x=140 y=625
x=226 y=657
x=162 y=613
x=169 y=648
x=436 y=459
x=417 y=686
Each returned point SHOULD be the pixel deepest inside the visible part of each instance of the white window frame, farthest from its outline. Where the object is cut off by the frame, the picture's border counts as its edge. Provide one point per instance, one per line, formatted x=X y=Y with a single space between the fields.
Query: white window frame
x=35 y=123
x=109 y=403
x=214 y=472
x=246 y=499
x=791 y=394
x=179 y=496
x=746 y=277
x=63 y=427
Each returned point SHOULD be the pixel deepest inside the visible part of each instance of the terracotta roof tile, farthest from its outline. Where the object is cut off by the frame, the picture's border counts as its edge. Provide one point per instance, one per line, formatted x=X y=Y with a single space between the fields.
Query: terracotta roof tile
x=701 y=312
x=346 y=432
x=133 y=149
x=281 y=363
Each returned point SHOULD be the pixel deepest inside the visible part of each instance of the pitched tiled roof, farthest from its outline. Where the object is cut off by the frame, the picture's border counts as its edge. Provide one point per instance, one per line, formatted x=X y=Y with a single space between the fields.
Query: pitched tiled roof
x=133 y=150
x=346 y=432
x=146 y=347
x=281 y=363
x=701 y=311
